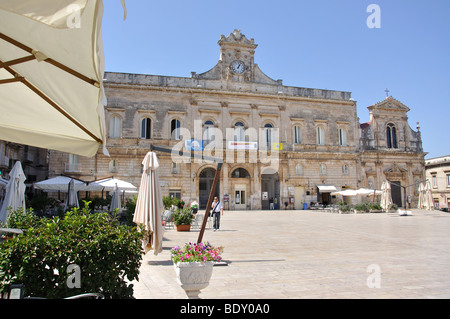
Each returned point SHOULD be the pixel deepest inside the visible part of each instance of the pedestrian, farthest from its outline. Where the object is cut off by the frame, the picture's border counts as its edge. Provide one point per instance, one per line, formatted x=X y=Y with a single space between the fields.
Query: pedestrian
x=217 y=210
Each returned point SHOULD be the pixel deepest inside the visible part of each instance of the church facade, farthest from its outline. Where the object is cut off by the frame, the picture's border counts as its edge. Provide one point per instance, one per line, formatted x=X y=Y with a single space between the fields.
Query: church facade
x=279 y=144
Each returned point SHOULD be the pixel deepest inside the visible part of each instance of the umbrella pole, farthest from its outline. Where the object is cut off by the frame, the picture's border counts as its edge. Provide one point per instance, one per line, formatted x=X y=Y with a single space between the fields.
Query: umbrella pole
x=208 y=206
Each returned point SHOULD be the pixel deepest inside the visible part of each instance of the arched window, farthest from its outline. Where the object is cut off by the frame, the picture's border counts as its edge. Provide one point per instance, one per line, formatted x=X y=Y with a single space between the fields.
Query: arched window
x=391 y=136
x=175 y=129
x=239 y=132
x=320 y=135
x=297 y=134
x=208 y=132
x=240 y=173
x=146 y=128
x=115 y=127
x=342 y=137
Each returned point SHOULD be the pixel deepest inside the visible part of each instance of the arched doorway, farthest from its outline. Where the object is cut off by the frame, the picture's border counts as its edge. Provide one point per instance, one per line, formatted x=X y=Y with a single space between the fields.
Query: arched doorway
x=206 y=179
x=270 y=189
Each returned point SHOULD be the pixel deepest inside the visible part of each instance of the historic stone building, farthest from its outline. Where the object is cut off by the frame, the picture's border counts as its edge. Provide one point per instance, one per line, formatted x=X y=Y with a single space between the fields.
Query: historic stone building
x=279 y=144
x=438 y=173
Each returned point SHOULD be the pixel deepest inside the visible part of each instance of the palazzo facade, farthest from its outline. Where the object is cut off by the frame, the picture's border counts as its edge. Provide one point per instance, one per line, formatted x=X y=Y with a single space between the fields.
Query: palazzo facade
x=279 y=144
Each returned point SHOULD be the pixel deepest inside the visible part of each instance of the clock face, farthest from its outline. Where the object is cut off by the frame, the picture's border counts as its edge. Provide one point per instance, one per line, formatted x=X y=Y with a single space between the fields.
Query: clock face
x=238 y=67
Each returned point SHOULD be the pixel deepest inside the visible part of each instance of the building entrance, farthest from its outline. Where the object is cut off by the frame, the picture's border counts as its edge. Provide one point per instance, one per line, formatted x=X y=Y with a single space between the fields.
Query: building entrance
x=396 y=193
x=206 y=179
x=270 y=191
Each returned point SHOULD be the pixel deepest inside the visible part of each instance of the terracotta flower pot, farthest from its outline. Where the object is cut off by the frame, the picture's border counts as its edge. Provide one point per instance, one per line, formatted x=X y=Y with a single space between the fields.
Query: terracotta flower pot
x=183 y=227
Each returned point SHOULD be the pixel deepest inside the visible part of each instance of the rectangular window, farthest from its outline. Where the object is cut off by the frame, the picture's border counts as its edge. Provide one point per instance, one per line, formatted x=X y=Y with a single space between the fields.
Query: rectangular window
x=448 y=180
x=297 y=135
x=434 y=181
x=175 y=193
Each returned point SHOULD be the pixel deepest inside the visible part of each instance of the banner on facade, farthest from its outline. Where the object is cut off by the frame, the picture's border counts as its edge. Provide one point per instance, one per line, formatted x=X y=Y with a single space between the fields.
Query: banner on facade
x=241 y=145
x=277 y=146
x=194 y=145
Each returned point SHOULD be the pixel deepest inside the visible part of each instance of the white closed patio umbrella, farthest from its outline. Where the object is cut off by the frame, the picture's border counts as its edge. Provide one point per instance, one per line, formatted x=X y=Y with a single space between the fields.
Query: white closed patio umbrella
x=15 y=192
x=51 y=74
x=421 y=190
x=386 y=197
x=149 y=204
x=428 y=198
x=72 y=196
x=115 y=200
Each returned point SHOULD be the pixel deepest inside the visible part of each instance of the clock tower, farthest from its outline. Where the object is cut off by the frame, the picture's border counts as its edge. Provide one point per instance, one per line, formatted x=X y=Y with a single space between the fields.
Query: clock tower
x=236 y=62
x=237 y=55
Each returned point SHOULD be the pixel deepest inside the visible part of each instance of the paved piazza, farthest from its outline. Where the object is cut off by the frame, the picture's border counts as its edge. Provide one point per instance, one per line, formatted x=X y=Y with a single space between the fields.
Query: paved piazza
x=315 y=254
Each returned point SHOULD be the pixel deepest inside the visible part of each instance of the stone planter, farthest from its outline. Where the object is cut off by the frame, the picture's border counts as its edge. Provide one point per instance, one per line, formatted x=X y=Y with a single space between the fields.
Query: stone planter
x=184 y=228
x=194 y=276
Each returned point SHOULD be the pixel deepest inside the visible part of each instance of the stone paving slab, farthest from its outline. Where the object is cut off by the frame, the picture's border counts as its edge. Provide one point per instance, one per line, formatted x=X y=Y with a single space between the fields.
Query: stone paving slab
x=314 y=254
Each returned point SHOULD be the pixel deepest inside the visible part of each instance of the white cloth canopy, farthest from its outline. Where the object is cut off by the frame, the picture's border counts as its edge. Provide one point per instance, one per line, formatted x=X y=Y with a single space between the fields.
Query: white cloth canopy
x=109 y=184
x=149 y=204
x=15 y=192
x=51 y=74
x=368 y=191
x=61 y=183
x=326 y=188
x=347 y=192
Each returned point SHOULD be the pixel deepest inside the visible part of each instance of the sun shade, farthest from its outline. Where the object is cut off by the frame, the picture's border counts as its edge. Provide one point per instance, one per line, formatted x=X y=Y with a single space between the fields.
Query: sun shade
x=51 y=74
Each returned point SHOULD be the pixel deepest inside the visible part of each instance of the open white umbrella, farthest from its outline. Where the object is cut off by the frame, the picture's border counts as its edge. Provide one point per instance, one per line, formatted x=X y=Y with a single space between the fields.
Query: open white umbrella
x=61 y=183
x=428 y=199
x=386 y=197
x=51 y=74
x=149 y=204
x=368 y=192
x=15 y=192
x=72 y=197
x=109 y=184
x=346 y=192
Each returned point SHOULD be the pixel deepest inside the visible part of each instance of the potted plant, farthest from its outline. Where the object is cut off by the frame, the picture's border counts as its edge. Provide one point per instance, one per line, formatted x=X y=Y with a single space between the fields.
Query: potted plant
x=193 y=265
x=183 y=219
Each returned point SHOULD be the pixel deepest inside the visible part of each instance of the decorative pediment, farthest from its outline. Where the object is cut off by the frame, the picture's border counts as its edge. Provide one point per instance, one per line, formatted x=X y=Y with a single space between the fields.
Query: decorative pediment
x=395 y=169
x=237 y=38
x=390 y=104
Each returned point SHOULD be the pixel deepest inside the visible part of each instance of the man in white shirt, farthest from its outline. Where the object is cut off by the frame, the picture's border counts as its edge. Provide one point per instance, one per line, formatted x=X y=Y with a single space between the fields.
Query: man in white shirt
x=217 y=210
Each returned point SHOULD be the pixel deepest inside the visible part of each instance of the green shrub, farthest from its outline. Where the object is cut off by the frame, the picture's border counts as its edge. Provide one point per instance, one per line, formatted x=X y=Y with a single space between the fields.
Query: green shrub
x=374 y=206
x=183 y=216
x=362 y=207
x=108 y=256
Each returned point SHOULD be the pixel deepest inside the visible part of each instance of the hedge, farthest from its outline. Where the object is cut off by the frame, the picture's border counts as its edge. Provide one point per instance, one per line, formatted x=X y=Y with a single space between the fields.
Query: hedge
x=45 y=256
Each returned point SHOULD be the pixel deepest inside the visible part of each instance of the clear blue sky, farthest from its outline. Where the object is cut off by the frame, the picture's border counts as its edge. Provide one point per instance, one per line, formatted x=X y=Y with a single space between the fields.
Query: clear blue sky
x=322 y=44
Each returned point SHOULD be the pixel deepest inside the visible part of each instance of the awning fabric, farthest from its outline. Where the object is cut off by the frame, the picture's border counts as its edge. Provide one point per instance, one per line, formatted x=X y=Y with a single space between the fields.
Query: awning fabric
x=51 y=74
x=326 y=188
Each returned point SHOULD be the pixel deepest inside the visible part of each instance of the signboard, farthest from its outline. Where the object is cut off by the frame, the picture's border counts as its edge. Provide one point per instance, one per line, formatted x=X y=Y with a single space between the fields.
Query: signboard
x=277 y=146
x=194 y=145
x=242 y=145
x=265 y=195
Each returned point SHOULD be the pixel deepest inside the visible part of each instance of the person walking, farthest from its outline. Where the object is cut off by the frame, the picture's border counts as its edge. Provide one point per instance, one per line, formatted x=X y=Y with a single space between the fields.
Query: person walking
x=217 y=210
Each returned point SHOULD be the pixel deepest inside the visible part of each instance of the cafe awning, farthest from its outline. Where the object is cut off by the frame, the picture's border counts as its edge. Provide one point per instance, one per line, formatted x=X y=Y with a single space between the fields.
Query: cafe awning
x=326 y=188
